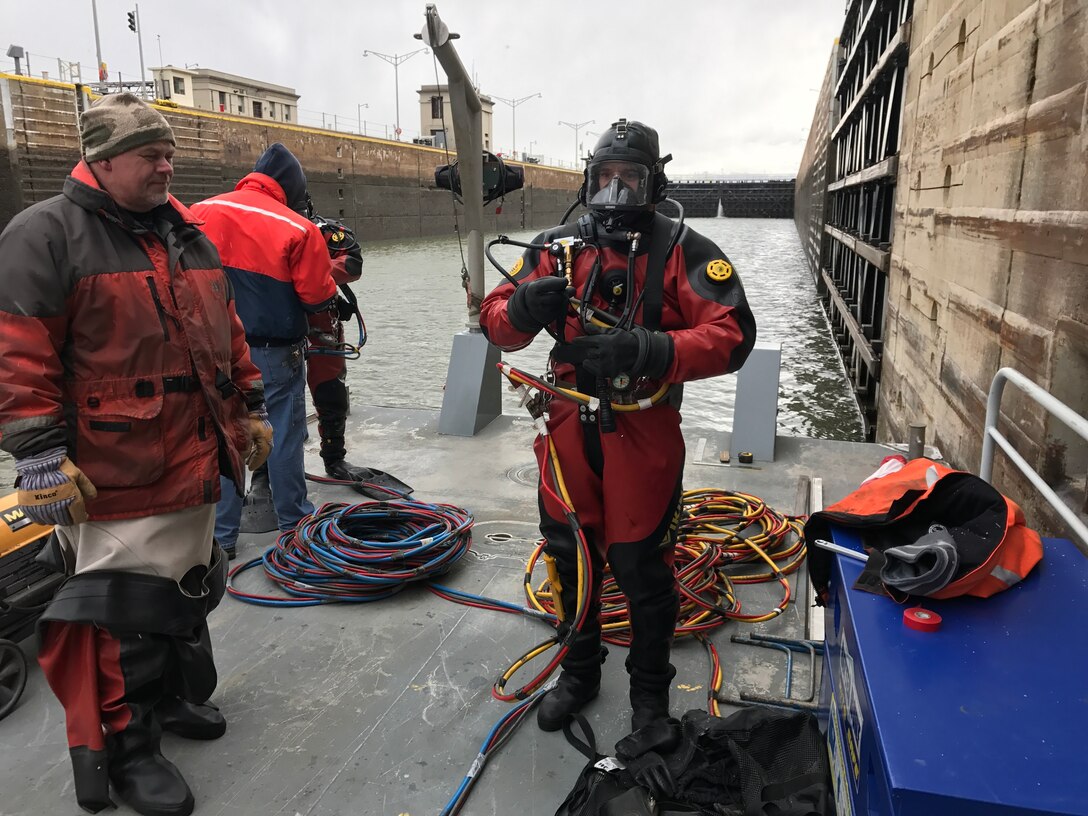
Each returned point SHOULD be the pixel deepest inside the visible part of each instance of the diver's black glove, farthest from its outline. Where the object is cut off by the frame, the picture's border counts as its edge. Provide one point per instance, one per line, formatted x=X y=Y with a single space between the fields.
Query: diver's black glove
x=344 y=309
x=608 y=352
x=652 y=772
x=538 y=302
x=639 y=752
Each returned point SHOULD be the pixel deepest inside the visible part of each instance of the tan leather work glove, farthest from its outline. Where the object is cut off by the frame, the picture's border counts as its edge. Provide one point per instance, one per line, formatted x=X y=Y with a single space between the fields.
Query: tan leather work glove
x=260 y=439
x=52 y=489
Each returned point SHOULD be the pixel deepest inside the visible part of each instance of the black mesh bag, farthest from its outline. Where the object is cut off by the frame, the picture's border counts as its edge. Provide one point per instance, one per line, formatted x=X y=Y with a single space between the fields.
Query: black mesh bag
x=759 y=761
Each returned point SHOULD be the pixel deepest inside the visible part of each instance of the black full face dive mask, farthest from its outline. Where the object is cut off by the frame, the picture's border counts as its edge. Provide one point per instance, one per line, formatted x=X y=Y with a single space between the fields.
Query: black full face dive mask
x=618 y=184
x=624 y=176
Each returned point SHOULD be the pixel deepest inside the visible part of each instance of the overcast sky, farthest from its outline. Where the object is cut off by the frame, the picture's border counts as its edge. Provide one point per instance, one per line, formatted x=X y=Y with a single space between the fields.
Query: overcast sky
x=730 y=85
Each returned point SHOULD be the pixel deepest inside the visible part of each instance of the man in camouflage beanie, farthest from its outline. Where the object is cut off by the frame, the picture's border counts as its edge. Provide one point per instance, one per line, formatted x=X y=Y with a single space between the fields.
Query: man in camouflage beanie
x=121 y=122
x=129 y=147
x=126 y=391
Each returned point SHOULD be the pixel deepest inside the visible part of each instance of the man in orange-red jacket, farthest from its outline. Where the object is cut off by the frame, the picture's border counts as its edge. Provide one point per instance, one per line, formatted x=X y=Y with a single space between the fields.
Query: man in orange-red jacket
x=279 y=266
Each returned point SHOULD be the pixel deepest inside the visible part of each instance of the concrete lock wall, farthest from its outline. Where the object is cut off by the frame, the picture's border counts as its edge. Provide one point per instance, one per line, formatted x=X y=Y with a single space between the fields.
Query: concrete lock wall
x=810 y=191
x=989 y=262
x=988 y=258
x=379 y=188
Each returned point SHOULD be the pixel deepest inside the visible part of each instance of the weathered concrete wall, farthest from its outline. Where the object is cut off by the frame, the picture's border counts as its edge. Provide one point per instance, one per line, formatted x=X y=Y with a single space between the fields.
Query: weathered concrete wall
x=989 y=261
x=810 y=188
x=381 y=189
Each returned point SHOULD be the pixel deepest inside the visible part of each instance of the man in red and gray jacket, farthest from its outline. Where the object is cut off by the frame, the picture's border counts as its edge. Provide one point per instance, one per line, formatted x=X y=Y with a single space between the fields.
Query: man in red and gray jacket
x=126 y=392
x=280 y=268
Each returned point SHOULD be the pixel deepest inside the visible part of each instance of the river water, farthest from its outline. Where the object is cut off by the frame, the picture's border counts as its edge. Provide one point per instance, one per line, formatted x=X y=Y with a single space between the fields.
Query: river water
x=411 y=298
x=413 y=304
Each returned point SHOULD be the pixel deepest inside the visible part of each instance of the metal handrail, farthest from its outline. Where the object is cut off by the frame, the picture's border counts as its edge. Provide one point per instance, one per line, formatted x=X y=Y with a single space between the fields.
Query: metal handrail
x=992 y=435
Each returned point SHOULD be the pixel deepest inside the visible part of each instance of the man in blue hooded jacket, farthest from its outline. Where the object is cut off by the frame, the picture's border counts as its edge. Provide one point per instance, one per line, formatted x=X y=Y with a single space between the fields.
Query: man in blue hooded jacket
x=279 y=265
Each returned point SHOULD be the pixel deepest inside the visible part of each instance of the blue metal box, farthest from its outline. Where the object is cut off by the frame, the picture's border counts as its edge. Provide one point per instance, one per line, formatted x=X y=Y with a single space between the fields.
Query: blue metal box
x=988 y=715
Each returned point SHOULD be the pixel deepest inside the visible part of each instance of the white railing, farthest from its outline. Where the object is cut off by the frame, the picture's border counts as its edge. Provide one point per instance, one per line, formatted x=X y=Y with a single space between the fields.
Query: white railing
x=992 y=436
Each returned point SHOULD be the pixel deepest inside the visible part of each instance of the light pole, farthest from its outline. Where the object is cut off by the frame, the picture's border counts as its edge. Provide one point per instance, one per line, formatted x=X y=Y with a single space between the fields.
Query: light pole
x=359 y=112
x=577 y=127
x=98 y=44
x=395 y=60
x=513 y=103
x=587 y=134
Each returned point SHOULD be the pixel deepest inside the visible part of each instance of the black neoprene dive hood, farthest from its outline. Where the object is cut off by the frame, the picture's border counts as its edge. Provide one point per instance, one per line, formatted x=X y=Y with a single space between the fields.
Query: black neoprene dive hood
x=625 y=201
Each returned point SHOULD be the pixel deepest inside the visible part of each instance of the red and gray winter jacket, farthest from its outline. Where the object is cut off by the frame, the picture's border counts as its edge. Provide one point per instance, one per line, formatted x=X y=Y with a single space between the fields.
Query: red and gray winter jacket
x=119 y=342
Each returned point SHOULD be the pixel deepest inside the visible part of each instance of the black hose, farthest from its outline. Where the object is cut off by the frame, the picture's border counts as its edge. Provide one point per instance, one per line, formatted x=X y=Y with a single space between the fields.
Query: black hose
x=570 y=209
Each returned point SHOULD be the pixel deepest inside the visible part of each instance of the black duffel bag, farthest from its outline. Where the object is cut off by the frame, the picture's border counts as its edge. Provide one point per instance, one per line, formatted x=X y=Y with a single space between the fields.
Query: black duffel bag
x=605 y=788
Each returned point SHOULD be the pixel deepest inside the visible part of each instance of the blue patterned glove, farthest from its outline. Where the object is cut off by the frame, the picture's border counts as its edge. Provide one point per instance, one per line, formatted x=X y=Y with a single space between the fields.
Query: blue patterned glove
x=52 y=489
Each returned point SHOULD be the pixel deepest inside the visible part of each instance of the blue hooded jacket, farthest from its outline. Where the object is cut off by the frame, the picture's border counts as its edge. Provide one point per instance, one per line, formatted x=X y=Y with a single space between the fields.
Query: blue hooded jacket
x=280 y=164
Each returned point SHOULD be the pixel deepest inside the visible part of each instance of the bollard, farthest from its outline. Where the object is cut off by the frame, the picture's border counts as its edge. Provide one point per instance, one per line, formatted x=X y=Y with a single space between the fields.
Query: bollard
x=916 y=441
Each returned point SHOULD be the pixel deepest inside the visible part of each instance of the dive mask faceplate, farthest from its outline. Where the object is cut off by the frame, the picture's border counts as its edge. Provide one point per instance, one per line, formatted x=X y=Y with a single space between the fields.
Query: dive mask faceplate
x=618 y=185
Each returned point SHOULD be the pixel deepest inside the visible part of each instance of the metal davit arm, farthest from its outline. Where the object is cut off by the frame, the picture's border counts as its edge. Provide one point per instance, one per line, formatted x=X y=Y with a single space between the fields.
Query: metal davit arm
x=991 y=436
x=472 y=397
x=468 y=136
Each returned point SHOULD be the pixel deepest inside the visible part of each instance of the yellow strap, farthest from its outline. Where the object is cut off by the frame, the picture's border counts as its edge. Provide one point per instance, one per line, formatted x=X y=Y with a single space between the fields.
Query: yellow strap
x=557 y=586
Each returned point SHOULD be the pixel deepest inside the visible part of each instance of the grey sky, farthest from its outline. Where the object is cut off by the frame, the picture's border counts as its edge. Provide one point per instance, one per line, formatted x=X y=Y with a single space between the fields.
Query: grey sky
x=730 y=85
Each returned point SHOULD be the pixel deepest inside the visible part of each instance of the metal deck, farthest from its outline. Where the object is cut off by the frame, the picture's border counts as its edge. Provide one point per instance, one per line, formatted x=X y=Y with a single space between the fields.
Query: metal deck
x=381 y=708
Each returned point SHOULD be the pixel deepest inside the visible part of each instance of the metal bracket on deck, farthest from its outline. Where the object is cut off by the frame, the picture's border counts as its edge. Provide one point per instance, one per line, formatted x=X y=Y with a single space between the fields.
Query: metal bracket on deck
x=472 y=397
x=755 y=411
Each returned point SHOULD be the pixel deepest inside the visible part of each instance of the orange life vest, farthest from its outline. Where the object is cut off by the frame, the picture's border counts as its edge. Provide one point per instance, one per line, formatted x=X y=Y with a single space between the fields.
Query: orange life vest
x=996 y=549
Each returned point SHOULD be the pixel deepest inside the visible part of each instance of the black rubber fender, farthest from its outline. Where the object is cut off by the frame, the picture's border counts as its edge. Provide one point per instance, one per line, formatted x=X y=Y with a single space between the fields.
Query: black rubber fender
x=13 y=672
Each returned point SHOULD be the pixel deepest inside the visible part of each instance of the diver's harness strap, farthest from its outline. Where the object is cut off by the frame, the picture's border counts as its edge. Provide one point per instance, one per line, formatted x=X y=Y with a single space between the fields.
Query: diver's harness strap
x=662 y=241
x=663 y=238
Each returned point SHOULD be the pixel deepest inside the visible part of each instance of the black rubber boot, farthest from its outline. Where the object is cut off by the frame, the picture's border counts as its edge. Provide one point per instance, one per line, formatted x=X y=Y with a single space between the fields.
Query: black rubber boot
x=649 y=695
x=580 y=680
x=330 y=426
x=259 y=485
x=648 y=661
x=190 y=720
x=579 y=683
x=142 y=777
x=331 y=402
x=644 y=575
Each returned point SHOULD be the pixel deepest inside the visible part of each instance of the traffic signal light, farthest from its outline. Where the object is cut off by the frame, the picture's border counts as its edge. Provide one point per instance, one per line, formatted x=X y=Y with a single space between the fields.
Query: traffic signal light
x=132 y=21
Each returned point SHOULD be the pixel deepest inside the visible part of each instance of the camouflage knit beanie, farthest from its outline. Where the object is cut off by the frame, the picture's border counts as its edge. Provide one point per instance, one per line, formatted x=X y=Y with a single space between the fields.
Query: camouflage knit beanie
x=120 y=122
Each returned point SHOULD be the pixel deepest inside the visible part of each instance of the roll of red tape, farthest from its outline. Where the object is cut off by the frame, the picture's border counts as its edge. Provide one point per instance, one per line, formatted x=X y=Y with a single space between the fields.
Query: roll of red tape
x=923 y=620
